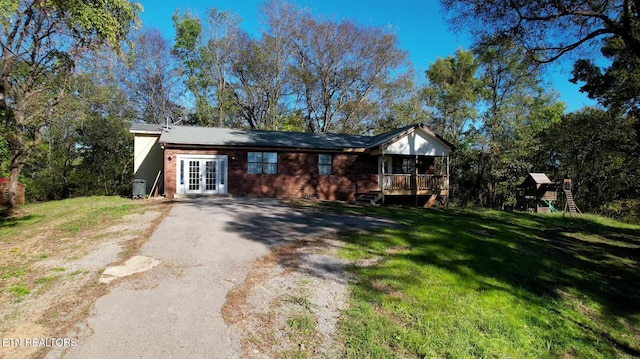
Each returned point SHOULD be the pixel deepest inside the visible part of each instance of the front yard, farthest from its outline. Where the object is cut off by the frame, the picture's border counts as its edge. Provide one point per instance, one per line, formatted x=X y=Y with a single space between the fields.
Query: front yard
x=52 y=255
x=482 y=283
x=438 y=284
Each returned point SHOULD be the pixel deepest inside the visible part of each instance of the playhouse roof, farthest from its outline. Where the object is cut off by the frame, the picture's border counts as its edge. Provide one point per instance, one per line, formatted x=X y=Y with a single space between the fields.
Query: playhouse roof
x=540 y=178
x=536 y=179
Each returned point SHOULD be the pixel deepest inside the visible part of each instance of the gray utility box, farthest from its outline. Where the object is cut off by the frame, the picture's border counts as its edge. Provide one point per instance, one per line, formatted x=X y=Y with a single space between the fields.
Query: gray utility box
x=139 y=188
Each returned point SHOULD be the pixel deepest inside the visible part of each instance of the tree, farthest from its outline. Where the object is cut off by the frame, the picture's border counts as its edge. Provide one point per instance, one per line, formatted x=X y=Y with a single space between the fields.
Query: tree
x=340 y=70
x=151 y=78
x=517 y=110
x=452 y=94
x=281 y=18
x=261 y=68
x=208 y=52
x=547 y=30
x=221 y=39
x=86 y=148
x=41 y=40
x=599 y=151
x=616 y=87
x=253 y=87
x=195 y=59
x=403 y=105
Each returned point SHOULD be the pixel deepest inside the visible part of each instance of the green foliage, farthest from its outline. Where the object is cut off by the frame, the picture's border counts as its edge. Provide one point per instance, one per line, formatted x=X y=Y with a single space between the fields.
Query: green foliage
x=188 y=29
x=292 y=122
x=42 y=42
x=87 y=149
x=7 y=8
x=599 y=151
x=106 y=148
x=461 y=283
x=550 y=29
x=452 y=94
x=518 y=109
x=625 y=210
x=196 y=60
x=107 y=21
x=616 y=87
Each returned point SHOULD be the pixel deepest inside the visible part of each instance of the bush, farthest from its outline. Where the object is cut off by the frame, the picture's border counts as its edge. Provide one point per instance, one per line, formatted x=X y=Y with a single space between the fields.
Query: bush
x=625 y=210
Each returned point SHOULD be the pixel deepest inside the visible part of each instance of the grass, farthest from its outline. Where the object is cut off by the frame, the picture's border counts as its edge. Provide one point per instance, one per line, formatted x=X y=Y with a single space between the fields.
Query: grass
x=302 y=325
x=302 y=330
x=19 y=290
x=56 y=229
x=463 y=283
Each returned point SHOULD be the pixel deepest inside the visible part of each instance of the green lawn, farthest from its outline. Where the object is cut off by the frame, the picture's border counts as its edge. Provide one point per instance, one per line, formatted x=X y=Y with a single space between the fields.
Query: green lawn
x=482 y=283
x=64 y=230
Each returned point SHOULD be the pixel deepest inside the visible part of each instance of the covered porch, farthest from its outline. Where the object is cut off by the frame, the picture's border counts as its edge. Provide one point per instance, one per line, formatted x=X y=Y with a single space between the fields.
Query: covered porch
x=415 y=165
x=402 y=175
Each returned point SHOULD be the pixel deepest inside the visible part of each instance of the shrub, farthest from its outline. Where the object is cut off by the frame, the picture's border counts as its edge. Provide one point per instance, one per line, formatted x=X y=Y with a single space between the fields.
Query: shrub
x=625 y=210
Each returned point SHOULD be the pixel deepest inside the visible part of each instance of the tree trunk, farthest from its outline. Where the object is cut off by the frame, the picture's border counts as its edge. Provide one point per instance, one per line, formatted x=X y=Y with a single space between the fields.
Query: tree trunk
x=16 y=167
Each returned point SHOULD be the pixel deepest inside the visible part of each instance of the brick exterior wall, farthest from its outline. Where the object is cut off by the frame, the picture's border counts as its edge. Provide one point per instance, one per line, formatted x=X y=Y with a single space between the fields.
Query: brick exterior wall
x=298 y=175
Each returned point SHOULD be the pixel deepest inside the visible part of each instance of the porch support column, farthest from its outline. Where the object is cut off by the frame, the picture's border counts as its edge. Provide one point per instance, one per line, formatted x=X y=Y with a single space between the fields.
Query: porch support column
x=383 y=179
x=447 y=183
x=415 y=179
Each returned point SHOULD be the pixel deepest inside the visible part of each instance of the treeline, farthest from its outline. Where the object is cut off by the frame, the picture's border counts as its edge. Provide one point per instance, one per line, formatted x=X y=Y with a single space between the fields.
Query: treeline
x=301 y=72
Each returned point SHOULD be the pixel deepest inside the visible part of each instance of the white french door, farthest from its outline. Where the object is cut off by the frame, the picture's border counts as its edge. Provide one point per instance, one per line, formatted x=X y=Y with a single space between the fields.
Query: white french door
x=202 y=175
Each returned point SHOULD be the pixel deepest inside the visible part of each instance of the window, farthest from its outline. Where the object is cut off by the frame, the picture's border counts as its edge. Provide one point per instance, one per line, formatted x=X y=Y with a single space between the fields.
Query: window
x=404 y=165
x=324 y=164
x=262 y=163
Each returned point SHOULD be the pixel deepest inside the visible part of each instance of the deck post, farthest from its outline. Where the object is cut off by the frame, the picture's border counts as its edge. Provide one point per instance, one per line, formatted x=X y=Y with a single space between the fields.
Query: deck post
x=415 y=179
x=383 y=164
x=448 y=183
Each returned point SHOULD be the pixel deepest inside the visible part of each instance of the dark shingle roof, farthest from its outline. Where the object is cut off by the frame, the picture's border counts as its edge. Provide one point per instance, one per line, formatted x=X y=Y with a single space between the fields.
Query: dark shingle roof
x=216 y=136
x=212 y=136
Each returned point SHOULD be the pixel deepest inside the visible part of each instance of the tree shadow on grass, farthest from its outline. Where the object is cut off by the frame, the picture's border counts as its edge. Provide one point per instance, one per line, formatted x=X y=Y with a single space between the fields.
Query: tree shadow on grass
x=539 y=259
x=544 y=258
x=9 y=221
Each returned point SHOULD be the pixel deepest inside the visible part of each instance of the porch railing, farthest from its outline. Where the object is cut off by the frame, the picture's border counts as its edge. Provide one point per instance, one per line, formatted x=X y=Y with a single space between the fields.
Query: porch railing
x=408 y=182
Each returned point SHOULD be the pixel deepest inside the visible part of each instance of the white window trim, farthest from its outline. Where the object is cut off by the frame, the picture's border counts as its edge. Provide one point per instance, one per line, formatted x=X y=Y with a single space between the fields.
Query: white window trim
x=263 y=152
x=330 y=165
x=180 y=188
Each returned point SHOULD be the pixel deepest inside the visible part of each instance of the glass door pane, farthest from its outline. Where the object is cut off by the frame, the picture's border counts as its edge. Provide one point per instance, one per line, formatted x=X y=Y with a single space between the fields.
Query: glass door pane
x=194 y=176
x=210 y=175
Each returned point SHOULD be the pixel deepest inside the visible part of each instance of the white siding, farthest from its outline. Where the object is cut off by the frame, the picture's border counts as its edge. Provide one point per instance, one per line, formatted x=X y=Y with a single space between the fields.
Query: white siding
x=418 y=142
x=147 y=159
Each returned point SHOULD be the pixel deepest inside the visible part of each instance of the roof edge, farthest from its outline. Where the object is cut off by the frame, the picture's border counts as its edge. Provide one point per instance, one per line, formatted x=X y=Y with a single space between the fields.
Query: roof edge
x=409 y=129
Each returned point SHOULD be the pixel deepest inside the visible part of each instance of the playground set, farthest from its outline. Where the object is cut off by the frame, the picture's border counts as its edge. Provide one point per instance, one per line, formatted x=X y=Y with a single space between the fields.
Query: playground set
x=537 y=193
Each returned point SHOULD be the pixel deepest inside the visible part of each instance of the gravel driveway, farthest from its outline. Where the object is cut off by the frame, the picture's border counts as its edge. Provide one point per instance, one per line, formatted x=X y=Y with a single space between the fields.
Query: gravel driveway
x=205 y=247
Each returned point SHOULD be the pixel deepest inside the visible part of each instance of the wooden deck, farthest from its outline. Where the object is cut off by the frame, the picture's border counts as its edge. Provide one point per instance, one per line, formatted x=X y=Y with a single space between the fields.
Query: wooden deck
x=407 y=184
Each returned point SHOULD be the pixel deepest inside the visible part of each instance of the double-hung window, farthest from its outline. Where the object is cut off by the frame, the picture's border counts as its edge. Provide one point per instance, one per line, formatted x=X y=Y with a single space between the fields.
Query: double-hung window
x=325 y=164
x=262 y=163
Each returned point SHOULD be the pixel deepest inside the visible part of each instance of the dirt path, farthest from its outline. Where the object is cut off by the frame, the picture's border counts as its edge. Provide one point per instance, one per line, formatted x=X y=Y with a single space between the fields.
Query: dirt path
x=290 y=302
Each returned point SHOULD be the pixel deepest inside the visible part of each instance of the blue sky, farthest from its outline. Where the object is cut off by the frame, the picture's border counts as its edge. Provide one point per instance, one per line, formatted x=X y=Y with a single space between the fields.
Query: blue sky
x=419 y=25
